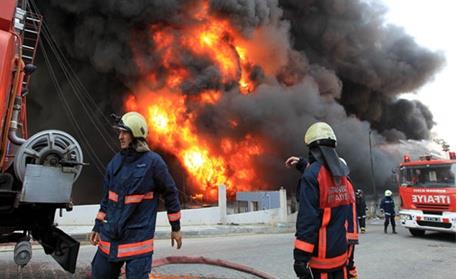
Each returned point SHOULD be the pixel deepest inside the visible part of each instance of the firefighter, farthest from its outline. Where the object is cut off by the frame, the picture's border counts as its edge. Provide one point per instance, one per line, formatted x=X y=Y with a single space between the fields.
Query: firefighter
x=388 y=207
x=124 y=226
x=361 y=209
x=326 y=222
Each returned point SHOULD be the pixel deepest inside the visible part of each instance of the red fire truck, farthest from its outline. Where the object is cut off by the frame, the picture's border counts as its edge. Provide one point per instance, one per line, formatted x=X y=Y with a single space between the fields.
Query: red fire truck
x=427 y=192
x=37 y=171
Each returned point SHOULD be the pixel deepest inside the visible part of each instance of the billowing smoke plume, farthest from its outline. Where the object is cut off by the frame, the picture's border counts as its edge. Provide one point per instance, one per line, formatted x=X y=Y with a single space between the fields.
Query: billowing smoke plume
x=375 y=62
x=333 y=61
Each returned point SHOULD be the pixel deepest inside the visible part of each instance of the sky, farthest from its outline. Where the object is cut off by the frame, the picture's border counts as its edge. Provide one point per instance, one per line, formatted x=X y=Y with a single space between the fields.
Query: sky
x=433 y=24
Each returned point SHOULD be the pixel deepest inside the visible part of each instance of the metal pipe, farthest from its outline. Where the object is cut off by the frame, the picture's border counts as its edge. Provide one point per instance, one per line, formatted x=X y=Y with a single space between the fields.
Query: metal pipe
x=13 y=137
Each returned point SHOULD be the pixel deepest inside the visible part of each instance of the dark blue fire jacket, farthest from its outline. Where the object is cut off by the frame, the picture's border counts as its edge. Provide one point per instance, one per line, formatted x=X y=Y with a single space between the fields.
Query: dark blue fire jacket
x=326 y=220
x=128 y=210
x=388 y=205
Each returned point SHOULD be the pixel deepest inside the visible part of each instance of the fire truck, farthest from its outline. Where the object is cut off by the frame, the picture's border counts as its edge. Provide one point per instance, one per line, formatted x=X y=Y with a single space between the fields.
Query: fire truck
x=427 y=193
x=37 y=172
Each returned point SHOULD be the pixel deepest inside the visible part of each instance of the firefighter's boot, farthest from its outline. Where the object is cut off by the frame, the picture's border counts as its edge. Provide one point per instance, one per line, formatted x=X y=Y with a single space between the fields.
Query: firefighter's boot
x=393 y=230
x=385 y=229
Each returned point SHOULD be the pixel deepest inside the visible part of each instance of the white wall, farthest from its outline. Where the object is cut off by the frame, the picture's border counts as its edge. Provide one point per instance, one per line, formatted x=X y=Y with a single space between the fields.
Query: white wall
x=81 y=215
x=192 y=217
x=268 y=216
x=84 y=215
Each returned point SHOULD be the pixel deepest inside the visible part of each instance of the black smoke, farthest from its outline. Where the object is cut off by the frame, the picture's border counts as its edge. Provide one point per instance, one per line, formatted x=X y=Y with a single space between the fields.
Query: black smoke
x=340 y=63
x=375 y=62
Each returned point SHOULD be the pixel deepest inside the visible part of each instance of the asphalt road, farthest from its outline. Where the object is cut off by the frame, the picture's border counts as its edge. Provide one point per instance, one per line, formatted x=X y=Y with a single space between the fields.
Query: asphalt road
x=379 y=255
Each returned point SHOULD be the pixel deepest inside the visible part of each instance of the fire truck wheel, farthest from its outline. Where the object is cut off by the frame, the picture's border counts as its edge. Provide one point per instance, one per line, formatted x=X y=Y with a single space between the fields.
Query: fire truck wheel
x=416 y=232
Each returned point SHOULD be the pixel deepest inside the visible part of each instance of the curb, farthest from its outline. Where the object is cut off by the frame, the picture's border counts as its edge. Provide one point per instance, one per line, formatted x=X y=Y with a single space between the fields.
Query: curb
x=218 y=230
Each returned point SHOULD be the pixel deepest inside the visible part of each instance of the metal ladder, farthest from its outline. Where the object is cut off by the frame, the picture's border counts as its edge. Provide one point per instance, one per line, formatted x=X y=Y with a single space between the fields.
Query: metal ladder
x=31 y=37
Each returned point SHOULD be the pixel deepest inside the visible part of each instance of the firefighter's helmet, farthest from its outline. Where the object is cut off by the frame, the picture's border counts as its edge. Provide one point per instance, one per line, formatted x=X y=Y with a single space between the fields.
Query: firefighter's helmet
x=388 y=193
x=319 y=131
x=135 y=123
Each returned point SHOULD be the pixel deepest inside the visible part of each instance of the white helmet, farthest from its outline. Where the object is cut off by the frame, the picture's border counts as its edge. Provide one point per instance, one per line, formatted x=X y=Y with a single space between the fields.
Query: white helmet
x=388 y=193
x=319 y=131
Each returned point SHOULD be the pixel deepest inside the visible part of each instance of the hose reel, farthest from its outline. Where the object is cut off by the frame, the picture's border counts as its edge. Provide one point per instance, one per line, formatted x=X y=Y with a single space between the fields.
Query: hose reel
x=49 y=148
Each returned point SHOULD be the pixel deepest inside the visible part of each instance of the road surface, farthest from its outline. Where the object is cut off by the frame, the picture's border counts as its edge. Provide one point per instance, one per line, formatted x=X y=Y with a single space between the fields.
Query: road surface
x=378 y=256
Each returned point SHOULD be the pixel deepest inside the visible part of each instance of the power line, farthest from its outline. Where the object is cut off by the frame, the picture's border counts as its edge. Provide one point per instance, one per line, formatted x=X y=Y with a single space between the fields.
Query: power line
x=78 y=88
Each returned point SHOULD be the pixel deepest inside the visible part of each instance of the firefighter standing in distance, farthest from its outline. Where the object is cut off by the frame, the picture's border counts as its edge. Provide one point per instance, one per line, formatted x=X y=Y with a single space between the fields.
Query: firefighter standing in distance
x=361 y=209
x=388 y=207
x=326 y=220
x=124 y=226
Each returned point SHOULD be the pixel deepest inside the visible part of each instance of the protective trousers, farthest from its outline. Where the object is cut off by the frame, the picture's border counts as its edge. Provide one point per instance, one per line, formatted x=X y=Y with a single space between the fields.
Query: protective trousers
x=351 y=269
x=136 y=268
x=337 y=274
x=362 y=223
x=386 y=222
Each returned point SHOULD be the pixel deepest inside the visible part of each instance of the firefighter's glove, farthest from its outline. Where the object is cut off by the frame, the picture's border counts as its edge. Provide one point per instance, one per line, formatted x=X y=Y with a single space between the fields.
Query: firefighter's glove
x=176 y=236
x=303 y=270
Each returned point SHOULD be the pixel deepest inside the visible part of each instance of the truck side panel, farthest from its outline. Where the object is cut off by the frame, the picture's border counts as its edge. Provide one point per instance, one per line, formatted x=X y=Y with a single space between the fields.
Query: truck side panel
x=7 y=53
x=7 y=8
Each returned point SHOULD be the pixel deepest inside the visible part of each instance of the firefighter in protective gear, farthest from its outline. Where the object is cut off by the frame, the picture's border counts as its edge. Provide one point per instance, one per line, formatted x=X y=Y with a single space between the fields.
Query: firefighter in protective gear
x=124 y=227
x=361 y=209
x=388 y=207
x=326 y=221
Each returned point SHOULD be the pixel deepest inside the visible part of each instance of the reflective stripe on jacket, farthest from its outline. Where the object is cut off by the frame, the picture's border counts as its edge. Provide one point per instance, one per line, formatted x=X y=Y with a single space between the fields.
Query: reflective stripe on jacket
x=326 y=220
x=128 y=210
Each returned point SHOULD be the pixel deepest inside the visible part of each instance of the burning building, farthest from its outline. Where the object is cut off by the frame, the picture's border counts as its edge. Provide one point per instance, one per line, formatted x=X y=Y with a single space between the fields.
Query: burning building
x=229 y=87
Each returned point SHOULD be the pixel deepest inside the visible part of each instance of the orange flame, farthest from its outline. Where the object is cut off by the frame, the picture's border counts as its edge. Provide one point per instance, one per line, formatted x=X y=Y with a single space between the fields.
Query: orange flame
x=172 y=129
x=210 y=97
x=209 y=161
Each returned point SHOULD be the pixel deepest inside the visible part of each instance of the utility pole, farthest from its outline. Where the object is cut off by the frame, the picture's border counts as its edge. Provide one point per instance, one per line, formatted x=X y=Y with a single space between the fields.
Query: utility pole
x=372 y=175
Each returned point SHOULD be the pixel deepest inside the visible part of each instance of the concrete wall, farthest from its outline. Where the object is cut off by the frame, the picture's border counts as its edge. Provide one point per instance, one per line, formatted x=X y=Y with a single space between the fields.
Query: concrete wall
x=193 y=217
x=265 y=200
x=81 y=215
x=269 y=216
x=84 y=215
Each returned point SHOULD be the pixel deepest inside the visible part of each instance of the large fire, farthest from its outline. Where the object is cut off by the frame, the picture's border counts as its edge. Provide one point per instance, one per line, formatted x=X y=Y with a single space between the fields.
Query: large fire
x=209 y=161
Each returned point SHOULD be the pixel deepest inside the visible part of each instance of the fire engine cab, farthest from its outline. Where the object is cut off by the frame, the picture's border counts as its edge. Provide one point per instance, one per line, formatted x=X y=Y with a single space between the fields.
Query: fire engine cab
x=427 y=192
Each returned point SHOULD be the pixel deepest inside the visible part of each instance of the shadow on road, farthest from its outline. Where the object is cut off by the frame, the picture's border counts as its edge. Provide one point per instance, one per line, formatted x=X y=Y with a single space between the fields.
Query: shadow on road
x=438 y=236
